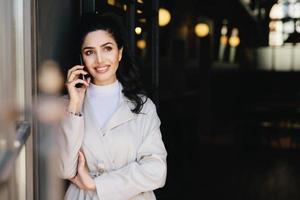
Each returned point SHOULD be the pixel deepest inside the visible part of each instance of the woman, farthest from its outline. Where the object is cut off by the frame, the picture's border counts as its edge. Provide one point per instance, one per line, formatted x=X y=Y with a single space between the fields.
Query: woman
x=111 y=146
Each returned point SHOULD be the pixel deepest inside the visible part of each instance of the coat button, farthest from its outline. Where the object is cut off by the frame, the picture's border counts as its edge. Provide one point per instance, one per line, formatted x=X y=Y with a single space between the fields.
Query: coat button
x=101 y=166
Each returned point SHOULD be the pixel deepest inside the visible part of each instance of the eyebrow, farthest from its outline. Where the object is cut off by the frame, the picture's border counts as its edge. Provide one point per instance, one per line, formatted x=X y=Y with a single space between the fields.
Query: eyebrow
x=107 y=43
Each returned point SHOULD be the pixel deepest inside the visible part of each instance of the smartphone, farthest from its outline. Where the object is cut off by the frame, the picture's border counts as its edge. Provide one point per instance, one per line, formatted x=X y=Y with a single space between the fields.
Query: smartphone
x=83 y=77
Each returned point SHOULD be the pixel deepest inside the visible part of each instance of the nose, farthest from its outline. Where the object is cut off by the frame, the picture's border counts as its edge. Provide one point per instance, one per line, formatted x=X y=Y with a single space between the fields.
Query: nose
x=99 y=57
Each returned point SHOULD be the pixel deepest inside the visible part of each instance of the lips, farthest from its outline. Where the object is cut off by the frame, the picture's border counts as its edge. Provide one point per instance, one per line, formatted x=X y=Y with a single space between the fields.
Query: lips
x=102 y=69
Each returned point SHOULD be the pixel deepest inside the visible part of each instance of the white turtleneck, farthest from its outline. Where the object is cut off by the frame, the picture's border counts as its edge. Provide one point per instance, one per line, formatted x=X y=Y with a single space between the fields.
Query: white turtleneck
x=104 y=101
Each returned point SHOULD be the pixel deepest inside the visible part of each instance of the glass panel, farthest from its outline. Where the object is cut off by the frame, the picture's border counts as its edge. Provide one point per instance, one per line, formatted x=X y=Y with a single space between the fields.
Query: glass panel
x=20 y=92
x=7 y=74
x=7 y=85
x=12 y=91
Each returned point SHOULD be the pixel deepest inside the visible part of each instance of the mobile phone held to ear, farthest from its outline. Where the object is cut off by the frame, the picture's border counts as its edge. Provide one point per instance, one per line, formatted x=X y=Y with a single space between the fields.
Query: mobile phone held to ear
x=83 y=77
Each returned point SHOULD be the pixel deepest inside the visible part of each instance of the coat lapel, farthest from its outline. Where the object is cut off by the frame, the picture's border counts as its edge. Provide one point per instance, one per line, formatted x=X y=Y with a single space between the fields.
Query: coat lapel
x=122 y=115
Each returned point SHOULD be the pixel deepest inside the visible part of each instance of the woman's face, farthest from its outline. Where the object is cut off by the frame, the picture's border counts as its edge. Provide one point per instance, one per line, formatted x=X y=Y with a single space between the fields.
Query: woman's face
x=101 y=56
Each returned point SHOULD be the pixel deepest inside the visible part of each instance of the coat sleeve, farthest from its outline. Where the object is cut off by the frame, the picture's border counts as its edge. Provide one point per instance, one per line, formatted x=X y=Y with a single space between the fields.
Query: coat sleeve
x=70 y=137
x=147 y=173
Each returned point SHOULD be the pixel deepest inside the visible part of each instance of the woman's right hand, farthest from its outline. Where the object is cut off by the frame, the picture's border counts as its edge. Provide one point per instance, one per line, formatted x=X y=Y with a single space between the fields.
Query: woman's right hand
x=82 y=179
x=76 y=94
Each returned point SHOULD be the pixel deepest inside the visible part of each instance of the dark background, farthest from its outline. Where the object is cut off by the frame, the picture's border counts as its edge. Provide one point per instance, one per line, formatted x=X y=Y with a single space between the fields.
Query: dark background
x=231 y=130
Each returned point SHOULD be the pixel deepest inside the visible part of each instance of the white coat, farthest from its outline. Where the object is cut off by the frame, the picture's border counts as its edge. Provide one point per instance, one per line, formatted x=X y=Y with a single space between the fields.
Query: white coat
x=126 y=158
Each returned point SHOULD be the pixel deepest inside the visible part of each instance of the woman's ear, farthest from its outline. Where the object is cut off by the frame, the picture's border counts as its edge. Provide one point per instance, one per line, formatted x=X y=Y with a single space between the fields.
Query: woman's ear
x=120 y=54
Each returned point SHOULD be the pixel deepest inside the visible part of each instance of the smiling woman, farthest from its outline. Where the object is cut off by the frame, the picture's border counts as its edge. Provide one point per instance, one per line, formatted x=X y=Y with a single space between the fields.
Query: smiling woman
x=110 y=141
x=101 y=57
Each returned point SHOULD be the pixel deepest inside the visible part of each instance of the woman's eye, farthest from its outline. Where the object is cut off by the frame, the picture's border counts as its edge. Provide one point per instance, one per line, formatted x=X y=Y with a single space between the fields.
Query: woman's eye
x=107 y=48
x=88 y=52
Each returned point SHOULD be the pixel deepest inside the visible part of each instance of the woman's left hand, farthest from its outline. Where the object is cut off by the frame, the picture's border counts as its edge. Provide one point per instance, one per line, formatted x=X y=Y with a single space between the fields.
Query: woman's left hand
x=83 y=180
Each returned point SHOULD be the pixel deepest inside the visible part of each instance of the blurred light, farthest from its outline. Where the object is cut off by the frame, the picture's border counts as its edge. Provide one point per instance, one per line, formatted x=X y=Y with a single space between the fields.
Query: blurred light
x=247 y=1
x=111 y=2
x=294 y=10
x=297 y=10
x=285 y=37
x=224 y=30
x=289 y=26
x=164 y=17
x=277 y=11
x=298 y=26
x=138 y=30
x=223 y=39
x=201 y=29
x=124 y=7
x=140 y=1
x=276 y=33
x=139 y=11
x=141 y=44
x=234 y=39
x=142 y=20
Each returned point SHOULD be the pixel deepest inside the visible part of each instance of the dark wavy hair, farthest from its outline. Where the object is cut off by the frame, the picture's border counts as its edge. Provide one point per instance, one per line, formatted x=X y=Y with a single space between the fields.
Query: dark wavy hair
x=127 y=73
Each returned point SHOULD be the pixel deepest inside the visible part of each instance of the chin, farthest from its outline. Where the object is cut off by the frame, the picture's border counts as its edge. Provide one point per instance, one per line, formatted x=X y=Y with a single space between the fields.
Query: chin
x=104 y=81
